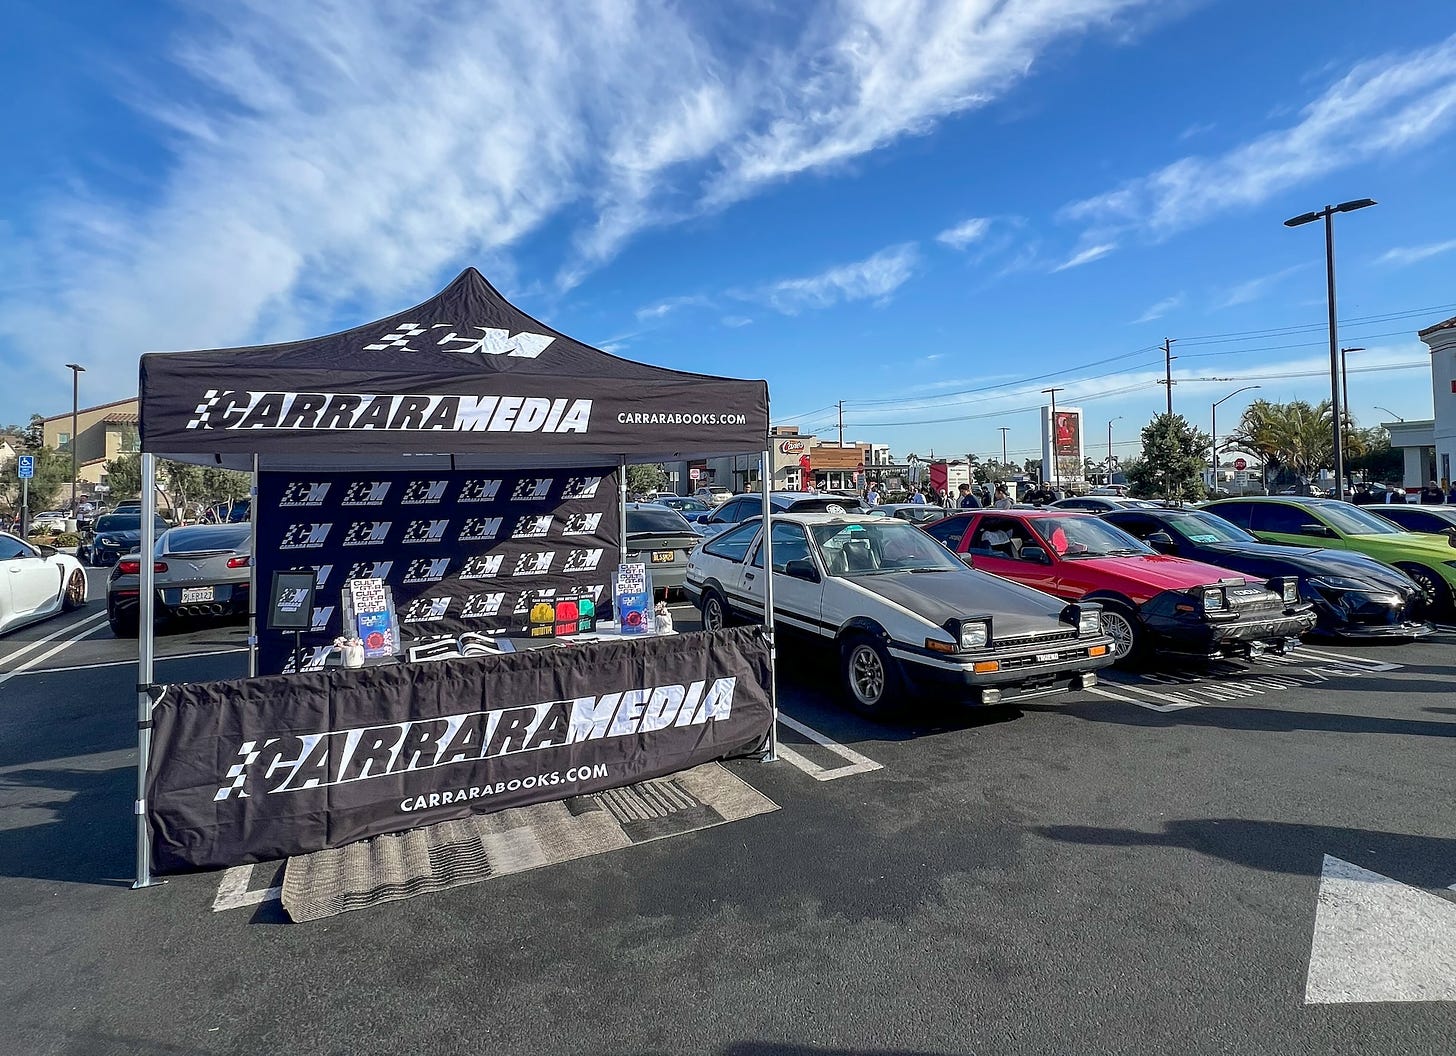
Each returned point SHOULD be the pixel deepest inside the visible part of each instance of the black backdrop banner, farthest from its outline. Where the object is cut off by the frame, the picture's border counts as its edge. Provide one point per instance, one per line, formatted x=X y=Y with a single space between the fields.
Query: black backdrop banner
x=258 y=769
x=463 y=550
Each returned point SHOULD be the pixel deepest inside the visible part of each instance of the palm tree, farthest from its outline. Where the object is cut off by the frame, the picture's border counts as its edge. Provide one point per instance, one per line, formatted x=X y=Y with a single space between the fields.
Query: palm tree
x=1294 y=436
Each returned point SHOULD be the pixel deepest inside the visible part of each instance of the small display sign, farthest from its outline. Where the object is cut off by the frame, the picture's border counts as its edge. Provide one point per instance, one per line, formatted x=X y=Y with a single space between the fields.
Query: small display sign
x=632 y=599
x=290 y=602
x=372 y=606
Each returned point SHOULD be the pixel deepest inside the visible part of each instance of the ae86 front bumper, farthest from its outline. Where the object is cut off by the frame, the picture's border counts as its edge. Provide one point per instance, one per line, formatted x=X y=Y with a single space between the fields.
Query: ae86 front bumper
x=1227 y=632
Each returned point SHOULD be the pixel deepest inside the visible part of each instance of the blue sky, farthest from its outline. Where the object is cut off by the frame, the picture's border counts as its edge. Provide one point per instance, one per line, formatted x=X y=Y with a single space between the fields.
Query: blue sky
x=929 y=211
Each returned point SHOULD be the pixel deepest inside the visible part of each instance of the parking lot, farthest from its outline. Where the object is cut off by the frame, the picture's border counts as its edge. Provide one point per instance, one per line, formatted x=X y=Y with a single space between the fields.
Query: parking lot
x=1135 y=868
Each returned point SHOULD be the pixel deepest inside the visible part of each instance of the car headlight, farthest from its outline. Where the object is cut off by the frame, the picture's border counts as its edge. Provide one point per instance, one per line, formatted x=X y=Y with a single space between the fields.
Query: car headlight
x=975 y=634
x=1213 y=599
x=1343 y=584
x=1089 y=624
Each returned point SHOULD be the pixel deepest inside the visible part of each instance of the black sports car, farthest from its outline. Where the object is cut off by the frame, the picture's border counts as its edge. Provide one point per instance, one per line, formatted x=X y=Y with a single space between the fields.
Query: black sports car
x=1354 y=596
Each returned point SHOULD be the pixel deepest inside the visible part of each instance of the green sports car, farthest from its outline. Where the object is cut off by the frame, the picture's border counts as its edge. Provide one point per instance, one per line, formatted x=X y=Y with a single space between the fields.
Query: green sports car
x=1430 y=560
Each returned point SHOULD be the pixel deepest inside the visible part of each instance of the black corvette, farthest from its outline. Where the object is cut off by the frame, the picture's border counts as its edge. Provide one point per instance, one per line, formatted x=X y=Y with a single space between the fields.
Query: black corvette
x=1354 y=596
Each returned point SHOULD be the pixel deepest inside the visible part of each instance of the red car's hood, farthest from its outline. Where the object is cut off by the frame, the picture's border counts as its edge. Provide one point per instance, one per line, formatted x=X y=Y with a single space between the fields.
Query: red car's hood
x=1156 y=572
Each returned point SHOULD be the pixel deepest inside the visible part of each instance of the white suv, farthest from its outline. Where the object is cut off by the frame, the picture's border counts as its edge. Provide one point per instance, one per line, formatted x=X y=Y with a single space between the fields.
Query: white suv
x=713 y=494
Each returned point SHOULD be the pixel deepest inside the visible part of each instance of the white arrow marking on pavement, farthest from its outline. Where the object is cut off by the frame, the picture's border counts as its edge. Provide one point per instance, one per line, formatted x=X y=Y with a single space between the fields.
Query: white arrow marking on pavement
x=1376 y=939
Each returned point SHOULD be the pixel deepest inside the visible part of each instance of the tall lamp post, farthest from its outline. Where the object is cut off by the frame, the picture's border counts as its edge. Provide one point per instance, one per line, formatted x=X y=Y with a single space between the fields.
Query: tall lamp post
x=1109 y=446
x=1327 y=214
x=1345 y=389
x=76 y=371
x=1004 y=430
x=1052 y=436
x=1213 y=429
x=1388 y=411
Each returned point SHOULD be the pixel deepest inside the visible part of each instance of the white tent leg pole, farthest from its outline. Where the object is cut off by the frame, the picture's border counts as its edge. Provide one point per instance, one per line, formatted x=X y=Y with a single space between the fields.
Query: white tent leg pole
x=146 y=604
x=622 y=504
x=253 y=574
x=765 y=479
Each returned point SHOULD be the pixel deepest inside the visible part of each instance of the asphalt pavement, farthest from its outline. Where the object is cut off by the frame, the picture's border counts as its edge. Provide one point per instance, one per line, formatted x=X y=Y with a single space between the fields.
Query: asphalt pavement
x=1141 y=868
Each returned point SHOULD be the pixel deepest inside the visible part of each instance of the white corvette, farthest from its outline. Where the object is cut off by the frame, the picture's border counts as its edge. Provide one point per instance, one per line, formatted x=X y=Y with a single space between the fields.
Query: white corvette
x=36 y=582
x=902 y=611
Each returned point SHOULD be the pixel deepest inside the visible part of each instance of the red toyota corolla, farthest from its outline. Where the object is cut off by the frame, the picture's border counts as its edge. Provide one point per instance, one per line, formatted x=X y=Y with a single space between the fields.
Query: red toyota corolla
x=1150 y=602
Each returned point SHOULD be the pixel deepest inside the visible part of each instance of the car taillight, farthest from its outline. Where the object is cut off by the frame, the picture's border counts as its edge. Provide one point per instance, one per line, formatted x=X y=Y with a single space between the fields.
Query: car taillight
x=128 y=567
x=237 y=562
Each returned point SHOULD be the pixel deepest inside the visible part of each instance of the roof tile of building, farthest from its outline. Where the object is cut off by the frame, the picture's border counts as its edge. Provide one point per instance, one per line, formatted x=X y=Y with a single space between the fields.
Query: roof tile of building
x=1449 y=324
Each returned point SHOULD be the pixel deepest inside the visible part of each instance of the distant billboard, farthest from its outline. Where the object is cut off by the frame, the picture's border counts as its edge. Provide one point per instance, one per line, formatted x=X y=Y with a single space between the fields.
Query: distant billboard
x=1061 y=438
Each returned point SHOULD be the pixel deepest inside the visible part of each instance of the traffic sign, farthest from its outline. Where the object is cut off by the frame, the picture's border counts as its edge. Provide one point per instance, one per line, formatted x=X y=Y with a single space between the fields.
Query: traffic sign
x=25 y=464
x=1241 y=464
x=694 y=473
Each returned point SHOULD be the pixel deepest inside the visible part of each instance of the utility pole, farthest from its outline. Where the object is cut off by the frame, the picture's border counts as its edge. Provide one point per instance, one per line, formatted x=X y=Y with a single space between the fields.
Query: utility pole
x=1052 y=436
x=841 y=423
x=1168 y=358
x=1004 y=430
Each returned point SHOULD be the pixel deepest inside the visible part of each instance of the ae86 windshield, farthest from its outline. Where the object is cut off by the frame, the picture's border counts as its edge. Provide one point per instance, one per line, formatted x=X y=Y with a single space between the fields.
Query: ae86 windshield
x=856 y=549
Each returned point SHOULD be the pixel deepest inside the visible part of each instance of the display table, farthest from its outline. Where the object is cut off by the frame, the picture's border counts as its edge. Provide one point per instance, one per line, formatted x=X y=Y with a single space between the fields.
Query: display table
x=256 y=769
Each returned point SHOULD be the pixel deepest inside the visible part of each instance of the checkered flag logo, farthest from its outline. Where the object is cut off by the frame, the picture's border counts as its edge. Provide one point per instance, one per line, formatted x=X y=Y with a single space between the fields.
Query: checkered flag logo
x=398 y=341
x=202 y=416
x=238 y=772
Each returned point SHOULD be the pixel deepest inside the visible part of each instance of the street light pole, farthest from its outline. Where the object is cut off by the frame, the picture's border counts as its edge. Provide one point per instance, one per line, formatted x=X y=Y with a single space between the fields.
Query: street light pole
x=1004 y=430
x=1052 y=436
x=76 y=371
x=1213 y=429
x=1328 y=215
x=1388 y=411
x=1109 y=446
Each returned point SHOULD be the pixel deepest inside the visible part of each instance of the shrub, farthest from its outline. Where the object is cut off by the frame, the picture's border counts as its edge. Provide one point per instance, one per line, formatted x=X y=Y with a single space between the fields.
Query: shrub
x=67 y=539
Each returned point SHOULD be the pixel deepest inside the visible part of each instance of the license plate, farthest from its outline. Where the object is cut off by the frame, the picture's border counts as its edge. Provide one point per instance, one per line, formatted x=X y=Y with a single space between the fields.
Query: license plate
x=196 y=594
x=1048 y=658
x=663 y=557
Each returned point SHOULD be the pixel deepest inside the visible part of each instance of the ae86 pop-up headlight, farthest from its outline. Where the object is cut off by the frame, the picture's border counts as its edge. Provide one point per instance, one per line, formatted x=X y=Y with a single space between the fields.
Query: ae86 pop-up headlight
x=970 y=634
x=1287 y=589
x=1214 y=599
x=1087 y=620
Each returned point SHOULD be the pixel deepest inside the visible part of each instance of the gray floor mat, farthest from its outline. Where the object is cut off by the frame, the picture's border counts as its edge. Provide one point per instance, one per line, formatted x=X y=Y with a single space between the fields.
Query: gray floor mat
x=454 y=853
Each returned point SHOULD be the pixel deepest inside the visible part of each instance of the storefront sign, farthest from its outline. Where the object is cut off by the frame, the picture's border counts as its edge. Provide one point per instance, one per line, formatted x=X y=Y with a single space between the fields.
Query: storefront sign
x=792 y=447
x=260 y=769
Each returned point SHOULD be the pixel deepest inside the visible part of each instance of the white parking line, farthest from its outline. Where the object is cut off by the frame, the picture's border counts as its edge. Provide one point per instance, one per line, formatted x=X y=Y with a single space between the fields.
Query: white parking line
x=123 y=663
x=1172 y=705
x=18 y=653
x=233 y=892
x=857 y=764
x=66 y=644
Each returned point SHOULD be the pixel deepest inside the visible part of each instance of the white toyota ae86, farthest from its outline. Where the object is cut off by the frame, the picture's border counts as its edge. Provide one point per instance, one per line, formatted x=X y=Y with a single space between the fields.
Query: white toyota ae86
x=903 y=612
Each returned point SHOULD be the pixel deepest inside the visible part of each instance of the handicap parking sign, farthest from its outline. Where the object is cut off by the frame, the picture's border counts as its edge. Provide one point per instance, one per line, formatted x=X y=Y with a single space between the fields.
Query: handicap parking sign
x=26 y=464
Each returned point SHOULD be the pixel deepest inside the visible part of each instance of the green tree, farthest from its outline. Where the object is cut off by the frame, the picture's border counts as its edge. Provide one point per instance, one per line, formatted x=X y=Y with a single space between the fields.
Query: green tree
x=646 y=478
x=184 y=483
x=223 y=485
x=49 y=486
x=124 y=477
x=1172 y=459
x=1372 y=457
x=1295 y=436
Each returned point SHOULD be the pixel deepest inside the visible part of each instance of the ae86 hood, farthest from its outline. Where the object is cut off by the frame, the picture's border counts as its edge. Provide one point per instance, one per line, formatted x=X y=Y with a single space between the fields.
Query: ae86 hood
x=1149 y=574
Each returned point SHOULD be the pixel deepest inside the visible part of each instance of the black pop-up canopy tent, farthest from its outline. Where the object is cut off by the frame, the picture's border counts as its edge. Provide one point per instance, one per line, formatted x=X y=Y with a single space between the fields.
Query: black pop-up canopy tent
x=465 y=377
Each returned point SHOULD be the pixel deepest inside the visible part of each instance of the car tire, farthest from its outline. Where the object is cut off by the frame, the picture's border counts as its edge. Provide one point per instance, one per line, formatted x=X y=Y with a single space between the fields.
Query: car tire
x=1433 y=585
x=871 y=679
x=1121 y=624
x=75 y=595
x=123 y=626
x=715 y=611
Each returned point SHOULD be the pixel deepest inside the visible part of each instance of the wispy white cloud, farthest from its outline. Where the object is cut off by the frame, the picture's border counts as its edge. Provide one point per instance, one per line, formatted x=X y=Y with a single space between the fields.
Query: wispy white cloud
x=1380 y=107
x=735 y=321
x=664 y=308
x=964 y=233
x=1086 y=256
x=1162 y=308
x=1403 y=255
x=1197 y=129
x=1255 y=288
x=874 y=278
x=339 y=158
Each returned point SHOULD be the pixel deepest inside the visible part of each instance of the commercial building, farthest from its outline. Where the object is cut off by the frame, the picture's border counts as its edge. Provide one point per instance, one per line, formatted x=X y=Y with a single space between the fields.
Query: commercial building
x=1428 y=445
